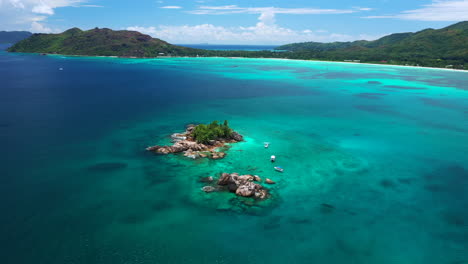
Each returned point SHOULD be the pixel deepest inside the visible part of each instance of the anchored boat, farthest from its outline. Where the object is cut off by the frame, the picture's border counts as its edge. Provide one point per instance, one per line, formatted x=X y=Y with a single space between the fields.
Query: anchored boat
x=266 y=144
x=279 y=169
x=273 y=158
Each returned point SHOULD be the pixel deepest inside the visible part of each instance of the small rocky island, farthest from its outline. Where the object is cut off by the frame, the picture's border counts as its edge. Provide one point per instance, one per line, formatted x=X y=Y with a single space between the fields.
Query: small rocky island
x=201 y=141
x=241 y=185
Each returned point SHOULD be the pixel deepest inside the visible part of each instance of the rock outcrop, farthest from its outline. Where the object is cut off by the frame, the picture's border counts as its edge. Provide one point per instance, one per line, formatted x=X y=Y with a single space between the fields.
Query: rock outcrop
x=242 y=185
x=184 y=142
x=179 y=146
x=237 y=137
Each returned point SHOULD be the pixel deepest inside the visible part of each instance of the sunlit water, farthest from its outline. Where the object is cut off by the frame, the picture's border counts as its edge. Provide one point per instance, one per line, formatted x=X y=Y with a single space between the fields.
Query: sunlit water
x=385 y=146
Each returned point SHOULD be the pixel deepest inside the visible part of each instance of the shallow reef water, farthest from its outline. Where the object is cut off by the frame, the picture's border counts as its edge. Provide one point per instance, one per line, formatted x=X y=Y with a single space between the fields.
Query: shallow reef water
x=375 y=162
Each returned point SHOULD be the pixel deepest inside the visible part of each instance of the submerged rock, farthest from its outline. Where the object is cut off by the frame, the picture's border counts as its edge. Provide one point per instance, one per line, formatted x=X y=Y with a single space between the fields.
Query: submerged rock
x=208 y=189
x=217 y=155
x=207 y=179
x=269 y=181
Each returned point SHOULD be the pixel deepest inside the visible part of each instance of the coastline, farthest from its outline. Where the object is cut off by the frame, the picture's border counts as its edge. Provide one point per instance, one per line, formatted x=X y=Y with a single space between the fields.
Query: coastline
x=362 y=63
x=321 y=61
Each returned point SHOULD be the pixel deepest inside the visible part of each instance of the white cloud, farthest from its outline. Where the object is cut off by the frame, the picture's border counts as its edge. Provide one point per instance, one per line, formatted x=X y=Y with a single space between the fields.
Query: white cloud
x=363 y=8
x=38 y=27
x=15 y=3
x=266 y=31
x=91 y=6
x=438 y=10
x=42 y=8
x=234 y=9
x=171 y=7
x=32 y=14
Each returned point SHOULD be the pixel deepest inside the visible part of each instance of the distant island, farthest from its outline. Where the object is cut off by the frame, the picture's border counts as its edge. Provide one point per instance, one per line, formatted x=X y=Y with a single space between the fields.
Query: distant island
x=99 y=42
x=443 y=48
x=11 y=37
x=201 y=141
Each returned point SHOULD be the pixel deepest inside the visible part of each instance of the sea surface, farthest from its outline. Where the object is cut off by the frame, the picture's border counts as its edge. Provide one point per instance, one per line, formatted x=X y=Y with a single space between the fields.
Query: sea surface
x=230 y=47
x=375 y=162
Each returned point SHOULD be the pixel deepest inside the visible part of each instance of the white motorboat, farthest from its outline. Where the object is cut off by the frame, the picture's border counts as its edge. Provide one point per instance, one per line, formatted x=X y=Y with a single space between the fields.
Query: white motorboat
x=279 y=169
x=273 y=158
x=266 y=144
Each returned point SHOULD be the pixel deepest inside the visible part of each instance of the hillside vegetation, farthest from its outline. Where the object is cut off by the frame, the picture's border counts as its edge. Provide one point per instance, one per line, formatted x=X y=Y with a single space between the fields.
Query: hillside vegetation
x=99 y=42
x=446 y=47
x=428 y=47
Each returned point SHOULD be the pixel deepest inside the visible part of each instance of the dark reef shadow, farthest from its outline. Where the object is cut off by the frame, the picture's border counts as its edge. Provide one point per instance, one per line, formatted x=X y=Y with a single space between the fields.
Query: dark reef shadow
x=327 y=208
x=107 y=166
x=404 y=87
x=448 y=186
x=443 y=103
x=370 y=95
x=154 y=176
x=388 y=184
x=406 y=180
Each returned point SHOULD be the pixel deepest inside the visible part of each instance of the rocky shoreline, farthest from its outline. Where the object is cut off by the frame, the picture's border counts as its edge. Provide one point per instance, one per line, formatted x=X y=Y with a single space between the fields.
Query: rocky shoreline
x=184 y=142
x=241 y=185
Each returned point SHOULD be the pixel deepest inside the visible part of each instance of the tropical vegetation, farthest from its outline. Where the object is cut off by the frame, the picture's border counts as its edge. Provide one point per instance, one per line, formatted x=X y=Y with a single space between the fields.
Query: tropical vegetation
x=205 y=133
x=446 y=47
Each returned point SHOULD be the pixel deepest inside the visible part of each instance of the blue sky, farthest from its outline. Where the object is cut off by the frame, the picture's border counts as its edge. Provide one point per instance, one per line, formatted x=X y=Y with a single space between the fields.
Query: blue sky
x=237 y=21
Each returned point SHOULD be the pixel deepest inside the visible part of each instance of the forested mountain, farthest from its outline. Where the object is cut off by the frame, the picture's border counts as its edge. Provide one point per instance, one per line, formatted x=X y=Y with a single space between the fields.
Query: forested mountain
x=98 y=42
x=448 y=45
x=13 y=36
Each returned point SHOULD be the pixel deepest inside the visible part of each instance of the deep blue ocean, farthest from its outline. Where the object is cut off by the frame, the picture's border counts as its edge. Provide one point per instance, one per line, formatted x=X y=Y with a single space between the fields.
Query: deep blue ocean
x=375 y=159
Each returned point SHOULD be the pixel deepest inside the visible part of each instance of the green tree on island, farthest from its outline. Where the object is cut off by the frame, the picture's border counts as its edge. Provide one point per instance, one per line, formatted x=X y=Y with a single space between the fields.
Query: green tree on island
x=204 y=133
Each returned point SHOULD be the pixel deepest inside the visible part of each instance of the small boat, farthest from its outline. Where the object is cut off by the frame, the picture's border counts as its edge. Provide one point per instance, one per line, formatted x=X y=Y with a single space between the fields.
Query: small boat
x=279 y=169
x=60 y=69
x=266 y=144
x=273 y=158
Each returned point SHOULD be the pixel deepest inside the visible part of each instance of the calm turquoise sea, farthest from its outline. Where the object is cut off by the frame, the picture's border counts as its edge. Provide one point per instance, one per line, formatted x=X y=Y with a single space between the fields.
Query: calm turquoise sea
x=385 y=148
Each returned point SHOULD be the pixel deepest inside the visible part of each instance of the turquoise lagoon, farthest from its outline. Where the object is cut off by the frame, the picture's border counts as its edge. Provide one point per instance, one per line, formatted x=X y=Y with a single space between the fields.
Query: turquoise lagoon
x=385 y=146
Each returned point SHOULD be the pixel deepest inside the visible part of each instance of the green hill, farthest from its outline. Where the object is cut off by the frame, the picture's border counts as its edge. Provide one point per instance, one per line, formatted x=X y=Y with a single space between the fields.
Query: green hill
x=428 y=47
x=13 y=36
x=99 y=42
